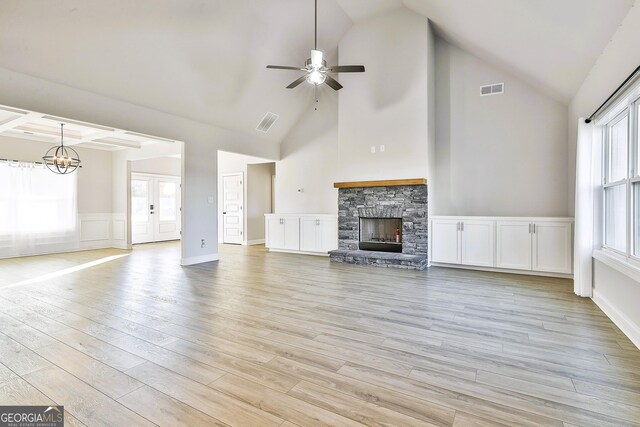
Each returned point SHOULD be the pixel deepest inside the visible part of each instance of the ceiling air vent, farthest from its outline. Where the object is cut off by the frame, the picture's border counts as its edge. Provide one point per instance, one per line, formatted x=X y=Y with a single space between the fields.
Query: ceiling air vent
x=493 y=89
x=267 y=121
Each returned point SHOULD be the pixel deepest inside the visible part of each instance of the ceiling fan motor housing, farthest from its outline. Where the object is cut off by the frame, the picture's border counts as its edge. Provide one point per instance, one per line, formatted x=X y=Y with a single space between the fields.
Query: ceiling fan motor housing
x=308 y=64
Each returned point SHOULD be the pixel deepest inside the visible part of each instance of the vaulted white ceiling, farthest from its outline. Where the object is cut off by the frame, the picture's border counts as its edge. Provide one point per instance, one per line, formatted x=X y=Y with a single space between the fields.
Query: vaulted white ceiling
x=205 y=59
x=200 y=59
x=552 y=44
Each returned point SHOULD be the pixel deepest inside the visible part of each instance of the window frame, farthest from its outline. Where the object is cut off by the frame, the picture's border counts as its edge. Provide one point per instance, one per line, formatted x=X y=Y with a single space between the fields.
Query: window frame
x=631 y=111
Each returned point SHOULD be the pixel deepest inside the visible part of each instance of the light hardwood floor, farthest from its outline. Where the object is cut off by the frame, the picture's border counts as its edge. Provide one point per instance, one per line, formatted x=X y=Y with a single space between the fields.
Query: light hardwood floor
x=274 y=339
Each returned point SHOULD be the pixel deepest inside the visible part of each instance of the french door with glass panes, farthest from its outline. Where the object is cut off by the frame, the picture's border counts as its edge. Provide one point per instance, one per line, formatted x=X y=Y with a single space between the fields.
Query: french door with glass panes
x=155 y=208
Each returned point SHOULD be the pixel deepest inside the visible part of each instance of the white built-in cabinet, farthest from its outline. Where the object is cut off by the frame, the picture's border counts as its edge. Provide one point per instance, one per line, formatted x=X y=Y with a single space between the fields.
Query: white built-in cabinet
x=282 y=232
x=537 y=245
x=308 y=233
x=468 y=242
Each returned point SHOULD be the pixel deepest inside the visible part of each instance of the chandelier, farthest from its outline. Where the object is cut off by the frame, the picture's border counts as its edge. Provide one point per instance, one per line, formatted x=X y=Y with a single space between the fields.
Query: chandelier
x=61 y=159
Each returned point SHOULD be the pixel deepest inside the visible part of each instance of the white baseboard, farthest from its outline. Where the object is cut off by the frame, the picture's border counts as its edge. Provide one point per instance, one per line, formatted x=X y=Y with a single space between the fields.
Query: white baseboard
x=120 y=244
x=254 y=242
x=199 y=259
x=628 y=327
x=286 y=251
x=502 y=270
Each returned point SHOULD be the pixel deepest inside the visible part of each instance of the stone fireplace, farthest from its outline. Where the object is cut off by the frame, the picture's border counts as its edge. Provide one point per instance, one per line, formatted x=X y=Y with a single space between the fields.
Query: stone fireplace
x=383 y=223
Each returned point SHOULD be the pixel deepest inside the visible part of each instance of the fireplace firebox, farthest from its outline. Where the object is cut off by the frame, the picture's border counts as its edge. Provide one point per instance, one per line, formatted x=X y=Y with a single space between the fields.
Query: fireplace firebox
x=380 y=234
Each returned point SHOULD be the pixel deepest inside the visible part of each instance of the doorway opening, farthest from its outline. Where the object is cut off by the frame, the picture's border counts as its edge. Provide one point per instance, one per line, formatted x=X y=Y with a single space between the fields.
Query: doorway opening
x=156 y=200
x=245 y=195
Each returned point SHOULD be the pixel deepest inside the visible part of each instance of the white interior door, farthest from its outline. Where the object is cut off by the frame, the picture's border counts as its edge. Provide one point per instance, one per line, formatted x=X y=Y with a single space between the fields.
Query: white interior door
x=155 y=208
x=232 y=209
x=167 y=209
x=141 y=207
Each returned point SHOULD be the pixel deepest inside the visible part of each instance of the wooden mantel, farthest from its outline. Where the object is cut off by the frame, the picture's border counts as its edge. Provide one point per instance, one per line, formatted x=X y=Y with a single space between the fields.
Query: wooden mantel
x=383 y=183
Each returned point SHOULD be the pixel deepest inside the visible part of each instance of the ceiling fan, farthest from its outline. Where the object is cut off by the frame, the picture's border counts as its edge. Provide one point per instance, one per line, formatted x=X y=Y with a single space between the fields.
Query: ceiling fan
x=315 y=68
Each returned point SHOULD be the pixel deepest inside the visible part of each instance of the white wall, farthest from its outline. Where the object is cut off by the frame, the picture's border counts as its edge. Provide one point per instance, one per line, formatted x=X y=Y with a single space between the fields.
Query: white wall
x=501 y=155
x=159 y=165
x=618 y=295
x=200 y=152
x=388 y=104
x=432 y=181
x=309 y=159
x=258 y=199
x=94 y=178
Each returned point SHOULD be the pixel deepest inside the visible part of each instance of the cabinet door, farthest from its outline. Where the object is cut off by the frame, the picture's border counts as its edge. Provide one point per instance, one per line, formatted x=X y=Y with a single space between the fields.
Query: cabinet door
x=478 y=243
x=552 y=247
x=445 y=241
x=309 y=235
x=328 y=234
x=513 y=245
x=291 y=233
x=275 y=233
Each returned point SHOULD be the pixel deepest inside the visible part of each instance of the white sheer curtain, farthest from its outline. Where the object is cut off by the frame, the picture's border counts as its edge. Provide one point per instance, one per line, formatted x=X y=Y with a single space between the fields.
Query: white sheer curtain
x=37 y=210
x=588 y=179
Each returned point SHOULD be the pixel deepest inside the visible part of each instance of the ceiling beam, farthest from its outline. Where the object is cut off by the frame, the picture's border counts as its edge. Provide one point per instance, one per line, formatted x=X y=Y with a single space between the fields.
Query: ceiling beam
x=93 y=137
x=96 y=135
x=26 y=118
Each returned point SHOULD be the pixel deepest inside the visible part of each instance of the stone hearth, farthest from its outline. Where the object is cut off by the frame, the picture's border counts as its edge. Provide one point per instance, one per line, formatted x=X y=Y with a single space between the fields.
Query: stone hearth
x=408 y=202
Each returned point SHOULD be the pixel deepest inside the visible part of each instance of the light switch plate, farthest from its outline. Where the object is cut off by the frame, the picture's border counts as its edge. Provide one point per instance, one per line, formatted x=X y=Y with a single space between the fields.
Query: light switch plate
x=210 y=199
x=373 y=149
x=382 y=148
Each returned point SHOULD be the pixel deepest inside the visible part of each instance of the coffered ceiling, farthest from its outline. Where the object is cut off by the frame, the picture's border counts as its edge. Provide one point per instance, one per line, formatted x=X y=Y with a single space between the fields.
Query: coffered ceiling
x=30 y=125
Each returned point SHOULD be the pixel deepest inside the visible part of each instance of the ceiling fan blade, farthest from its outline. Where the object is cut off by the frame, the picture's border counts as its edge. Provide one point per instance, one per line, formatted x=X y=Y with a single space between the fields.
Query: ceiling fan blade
x=297 y=82
x=333 y=83
x=316 y=58
x=347 y=69
x=284 y=67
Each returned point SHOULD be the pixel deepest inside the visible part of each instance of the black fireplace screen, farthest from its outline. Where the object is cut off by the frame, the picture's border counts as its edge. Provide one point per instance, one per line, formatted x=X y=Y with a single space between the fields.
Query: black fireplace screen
x=381 y=234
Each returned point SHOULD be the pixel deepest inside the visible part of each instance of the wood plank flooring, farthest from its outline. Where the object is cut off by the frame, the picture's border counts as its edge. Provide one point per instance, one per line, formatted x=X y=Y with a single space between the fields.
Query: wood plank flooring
x=266 y=339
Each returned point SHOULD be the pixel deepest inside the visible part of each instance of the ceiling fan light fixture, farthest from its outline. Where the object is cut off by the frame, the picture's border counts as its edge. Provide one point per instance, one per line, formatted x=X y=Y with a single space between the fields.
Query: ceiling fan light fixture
x=316 y=68
x=316 y=77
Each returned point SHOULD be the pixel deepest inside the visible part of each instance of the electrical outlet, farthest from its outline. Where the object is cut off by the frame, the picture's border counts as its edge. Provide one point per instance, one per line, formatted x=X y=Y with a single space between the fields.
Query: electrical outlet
x=202 y=244
x=382 y=148
x=373 y=149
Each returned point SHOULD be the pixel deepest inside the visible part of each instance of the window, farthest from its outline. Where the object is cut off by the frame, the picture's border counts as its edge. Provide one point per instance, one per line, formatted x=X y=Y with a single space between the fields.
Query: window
x=167 y=201
x=621 y=180
x=139 y=200
x=615 y=182
x=37 y=209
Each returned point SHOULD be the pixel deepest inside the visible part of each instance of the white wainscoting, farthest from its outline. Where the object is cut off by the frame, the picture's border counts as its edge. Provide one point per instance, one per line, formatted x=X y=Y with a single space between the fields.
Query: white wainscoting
x=94 y=230
x=102 y=230
x=119 y=231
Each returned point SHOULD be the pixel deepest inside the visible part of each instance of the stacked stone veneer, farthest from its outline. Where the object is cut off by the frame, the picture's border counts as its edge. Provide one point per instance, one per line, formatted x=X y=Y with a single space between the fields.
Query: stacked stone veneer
x=408 y=202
